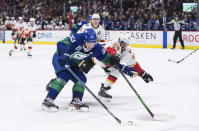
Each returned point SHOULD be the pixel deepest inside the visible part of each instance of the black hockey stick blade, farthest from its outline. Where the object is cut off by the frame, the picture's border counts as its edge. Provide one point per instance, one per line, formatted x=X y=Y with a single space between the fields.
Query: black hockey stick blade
x=173 y=61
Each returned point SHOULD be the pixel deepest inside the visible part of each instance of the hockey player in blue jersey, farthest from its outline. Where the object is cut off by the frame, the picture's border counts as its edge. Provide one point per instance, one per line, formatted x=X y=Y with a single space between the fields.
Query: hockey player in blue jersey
x=70 y=52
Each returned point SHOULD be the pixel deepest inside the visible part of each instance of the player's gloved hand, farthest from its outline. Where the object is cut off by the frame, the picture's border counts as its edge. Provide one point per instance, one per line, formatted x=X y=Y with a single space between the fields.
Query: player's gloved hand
x=64 y=60
x=128 y=70
x=146 y=77
x=12 y=34
x=114 y=59
x=34 y=35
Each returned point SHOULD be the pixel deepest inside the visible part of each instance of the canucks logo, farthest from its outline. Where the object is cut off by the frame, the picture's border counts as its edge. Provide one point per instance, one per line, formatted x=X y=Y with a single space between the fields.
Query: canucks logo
x=80 y=56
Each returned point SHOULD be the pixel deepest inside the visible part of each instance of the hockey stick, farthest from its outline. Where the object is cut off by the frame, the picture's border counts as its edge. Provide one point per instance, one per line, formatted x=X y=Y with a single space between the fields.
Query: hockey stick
x=183 y=57
x=102 y=104
x=139 y=97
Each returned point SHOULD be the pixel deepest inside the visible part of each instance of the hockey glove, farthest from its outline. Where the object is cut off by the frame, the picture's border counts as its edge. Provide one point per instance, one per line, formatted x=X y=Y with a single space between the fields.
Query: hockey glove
x=64 y=60
x=34 y=35
x=114 y=59
x=146 y=77
x=13 y=33
x=128 y=70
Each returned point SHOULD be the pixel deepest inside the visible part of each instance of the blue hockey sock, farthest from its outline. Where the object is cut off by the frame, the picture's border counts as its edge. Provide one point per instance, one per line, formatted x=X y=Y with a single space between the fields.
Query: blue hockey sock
x=78 y=90
x=55 y=87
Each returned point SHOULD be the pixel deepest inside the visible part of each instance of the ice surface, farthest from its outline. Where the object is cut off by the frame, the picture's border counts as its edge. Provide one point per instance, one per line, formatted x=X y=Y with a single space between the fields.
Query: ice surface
x=173 y=96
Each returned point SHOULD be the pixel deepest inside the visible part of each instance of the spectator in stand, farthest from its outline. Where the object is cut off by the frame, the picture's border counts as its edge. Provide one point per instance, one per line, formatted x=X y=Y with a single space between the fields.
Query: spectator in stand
x=135 y=14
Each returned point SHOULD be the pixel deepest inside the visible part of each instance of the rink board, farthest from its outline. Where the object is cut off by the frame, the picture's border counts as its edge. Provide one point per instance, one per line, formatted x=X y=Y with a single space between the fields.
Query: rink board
x=140 y=39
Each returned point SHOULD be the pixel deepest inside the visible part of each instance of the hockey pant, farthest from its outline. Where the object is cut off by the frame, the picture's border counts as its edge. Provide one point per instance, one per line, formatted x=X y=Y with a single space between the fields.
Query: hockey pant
x=64 y=75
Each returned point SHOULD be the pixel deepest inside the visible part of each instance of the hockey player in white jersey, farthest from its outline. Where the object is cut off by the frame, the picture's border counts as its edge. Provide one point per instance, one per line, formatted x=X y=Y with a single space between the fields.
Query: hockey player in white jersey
x=121 y=48
x=17 y=33
x=99 y=30
x=32 y=27
x=25 y=32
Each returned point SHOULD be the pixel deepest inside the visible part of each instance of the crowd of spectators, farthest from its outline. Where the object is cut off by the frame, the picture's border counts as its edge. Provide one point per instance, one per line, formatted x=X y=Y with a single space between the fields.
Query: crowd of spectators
x=128 y=15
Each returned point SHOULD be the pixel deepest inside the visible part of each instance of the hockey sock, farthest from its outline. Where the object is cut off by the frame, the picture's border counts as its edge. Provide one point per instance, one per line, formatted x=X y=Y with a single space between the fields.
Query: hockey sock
x=29 y=49
x=78 y=90
x=55 y=86
x=110 y=81
x=29 y=45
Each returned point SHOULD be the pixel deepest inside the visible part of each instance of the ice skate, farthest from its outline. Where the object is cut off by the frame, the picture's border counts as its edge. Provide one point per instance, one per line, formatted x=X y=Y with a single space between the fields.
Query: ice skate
x=29 y=54
x=11 y=52
x=77 y=105
x=103 y=95
x=48 y=105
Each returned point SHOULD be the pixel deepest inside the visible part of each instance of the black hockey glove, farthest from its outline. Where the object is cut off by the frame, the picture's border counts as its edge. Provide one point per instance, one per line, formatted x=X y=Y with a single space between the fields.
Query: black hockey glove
x=114 y=59
x=13 y=33
x=34 y=35
x=146 y=77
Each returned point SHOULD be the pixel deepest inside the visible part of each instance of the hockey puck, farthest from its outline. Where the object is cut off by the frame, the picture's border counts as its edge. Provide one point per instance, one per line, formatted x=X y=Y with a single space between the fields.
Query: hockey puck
x=130 y=123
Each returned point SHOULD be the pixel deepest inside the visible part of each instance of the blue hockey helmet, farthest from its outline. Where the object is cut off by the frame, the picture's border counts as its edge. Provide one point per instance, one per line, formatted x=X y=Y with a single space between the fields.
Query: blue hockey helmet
x=89 y=17
x=90 y=36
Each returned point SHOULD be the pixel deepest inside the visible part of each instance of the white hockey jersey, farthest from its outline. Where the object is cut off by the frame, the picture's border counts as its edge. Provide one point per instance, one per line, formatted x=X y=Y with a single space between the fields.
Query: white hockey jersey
x=19 y=27
x=31 y=30
x=25 y=30
x=127 y=56
x=100 y=32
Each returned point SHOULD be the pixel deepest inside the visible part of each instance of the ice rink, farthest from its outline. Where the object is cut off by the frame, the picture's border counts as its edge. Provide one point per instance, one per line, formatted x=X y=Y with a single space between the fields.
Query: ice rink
x=173 y=96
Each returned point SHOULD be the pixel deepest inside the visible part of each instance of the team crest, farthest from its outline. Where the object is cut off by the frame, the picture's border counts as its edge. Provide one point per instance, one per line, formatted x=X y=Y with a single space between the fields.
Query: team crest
x=78 y=48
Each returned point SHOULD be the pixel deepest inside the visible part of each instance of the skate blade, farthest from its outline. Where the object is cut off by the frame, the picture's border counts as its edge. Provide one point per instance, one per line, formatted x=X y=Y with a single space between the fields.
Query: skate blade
x=82 y=109
x=105 y=99
x=47 y=109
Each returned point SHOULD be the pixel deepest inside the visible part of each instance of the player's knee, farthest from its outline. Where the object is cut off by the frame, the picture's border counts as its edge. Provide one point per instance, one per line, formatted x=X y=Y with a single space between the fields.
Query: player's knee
x=56 y=84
